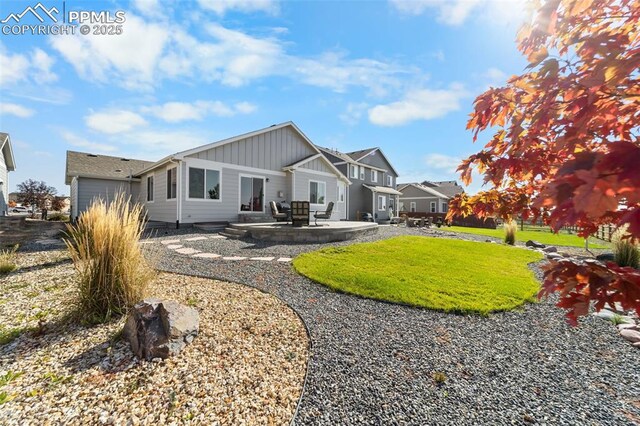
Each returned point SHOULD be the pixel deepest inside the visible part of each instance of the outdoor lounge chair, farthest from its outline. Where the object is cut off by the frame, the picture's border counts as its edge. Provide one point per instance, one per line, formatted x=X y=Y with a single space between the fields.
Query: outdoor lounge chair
x=323 y=214
x=277 y=215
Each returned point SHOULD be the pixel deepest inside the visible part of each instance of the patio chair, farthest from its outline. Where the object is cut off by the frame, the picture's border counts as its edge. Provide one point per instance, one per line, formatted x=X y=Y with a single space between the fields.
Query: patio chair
x=323 y=214
x=277 y=215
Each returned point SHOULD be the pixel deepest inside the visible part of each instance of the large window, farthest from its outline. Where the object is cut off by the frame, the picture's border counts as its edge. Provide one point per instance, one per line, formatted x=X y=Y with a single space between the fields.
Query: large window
x=317 y=192
x=341 y=191
x=251 y=194
x=149 y=188
x=433 y=206
x=382 y=203
x=445 y=207
x=374 y=176
x=172 y=184
x=204 y=184
x=412 y=206
x=354 y=171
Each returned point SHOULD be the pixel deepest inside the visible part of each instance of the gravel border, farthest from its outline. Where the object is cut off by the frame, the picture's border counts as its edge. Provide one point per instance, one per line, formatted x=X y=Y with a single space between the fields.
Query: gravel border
x=374 y=362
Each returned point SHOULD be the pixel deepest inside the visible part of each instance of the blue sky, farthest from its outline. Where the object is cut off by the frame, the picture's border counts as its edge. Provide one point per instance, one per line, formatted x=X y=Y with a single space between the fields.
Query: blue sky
x=401 y=75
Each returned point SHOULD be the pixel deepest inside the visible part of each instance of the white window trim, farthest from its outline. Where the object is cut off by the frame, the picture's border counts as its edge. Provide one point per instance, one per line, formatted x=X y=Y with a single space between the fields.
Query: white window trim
x=433 y=207
x=264 y=195
x=188 y=198
x=363 y=172
x=354 y=171
x=325 y=193
x=374 y=176
x=166 y=173
x=389 y=180
x=344 y=192
x=444 y=207
x=384 y=203
x=153 y=193
x=413 y=207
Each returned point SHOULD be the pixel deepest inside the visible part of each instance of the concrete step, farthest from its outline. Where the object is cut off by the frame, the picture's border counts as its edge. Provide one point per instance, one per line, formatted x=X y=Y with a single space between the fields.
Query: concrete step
x=234 y=233
x=210 y=227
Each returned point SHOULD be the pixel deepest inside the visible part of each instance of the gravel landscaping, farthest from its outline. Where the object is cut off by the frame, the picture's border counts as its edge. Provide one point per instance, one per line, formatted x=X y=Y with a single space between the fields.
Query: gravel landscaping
x=378 y=363
x=247 y=365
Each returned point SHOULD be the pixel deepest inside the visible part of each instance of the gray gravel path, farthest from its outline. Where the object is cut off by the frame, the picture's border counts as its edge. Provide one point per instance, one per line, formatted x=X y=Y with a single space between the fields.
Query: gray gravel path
x=373 y=362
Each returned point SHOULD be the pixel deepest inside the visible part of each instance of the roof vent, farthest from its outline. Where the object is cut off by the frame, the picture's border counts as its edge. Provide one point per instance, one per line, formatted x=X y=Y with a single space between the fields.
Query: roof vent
x=124 y=159
x=91 y=155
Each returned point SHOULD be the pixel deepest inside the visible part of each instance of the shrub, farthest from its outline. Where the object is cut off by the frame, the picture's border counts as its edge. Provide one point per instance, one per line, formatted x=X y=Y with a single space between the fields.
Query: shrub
x=58 y=217
x=625 y=250
x=8 y=260
x=510 y=232
x=112 y=272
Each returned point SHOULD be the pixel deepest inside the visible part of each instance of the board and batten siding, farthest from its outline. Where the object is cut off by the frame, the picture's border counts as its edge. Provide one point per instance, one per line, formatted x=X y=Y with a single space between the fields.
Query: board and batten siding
x=160 y=209
x=4 y=188
x=319 y=165
x=301 y=192
x=228 y=207
x=268 y=151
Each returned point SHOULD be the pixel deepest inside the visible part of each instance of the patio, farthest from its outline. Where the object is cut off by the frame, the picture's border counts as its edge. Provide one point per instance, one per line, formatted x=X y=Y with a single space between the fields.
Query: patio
x=324 y=232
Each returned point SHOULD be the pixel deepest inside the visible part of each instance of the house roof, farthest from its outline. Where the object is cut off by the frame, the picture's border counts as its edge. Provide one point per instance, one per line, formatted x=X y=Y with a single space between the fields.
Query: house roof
x=346 y=159
x=359 y=155
x=321 y=157
x=7 y=151
x=84 y=164
x=423 y=188
x=449 y=188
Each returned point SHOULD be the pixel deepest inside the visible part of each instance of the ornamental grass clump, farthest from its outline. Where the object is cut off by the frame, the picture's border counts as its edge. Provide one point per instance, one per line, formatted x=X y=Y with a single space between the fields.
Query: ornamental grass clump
x=625 y=249
x=8 y=260
x=113 y=274
x=510 y=232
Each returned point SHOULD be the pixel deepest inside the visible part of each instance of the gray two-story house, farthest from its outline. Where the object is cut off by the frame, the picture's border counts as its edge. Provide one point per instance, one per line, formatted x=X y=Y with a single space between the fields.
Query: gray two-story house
x=373 y=181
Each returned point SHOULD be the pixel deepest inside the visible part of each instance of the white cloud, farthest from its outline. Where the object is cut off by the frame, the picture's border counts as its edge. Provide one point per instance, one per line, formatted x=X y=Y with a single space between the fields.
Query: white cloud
x=174 y=112
x=442 y=162
x=223 y=6
x=131 y=58
x=495 y=77
x=456 y=12
x=353 y=113
x=423 y=104
x=28 y=67
x=15 y=109
x=80 y=142
x=151 y=8
x=114 y=121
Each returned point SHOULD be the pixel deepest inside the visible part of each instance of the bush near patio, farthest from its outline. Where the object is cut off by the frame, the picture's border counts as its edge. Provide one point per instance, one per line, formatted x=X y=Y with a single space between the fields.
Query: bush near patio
x=542 y=236
x=435 y=273
x=113 y=274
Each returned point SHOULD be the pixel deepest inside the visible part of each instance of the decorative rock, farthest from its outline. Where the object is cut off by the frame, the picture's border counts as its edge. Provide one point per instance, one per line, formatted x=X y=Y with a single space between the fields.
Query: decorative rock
x=636 y=344
x=550 y=249
x=628 y=326
x=160 y=328
x=605 y=257
x=631 y=335
x=535 y=244
x=554 y=256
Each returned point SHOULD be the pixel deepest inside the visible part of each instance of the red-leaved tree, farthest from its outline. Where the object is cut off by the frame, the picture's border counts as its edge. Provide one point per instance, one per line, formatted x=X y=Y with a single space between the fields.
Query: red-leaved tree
x=565 y=140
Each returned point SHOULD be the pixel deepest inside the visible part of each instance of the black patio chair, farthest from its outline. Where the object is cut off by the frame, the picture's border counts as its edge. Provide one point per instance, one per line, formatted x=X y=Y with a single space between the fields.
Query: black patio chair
x=323 y=214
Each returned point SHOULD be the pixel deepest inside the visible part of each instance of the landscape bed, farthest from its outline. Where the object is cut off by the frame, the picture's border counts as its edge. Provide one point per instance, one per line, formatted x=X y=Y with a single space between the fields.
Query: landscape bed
x=435 y=273
x=542 y=236
x=247 y=365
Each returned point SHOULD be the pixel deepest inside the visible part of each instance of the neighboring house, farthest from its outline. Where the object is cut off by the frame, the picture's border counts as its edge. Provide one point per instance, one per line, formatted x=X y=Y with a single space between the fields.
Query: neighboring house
x=226 y=181
x=450 y=188
x=7 y=164
x=91 y=176
x=373 y=181
x=13 y=196
x=417 y=197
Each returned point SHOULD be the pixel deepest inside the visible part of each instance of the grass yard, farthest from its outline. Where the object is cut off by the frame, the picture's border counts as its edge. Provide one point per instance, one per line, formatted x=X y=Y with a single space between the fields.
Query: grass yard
x=435 y=273
x=544 y=237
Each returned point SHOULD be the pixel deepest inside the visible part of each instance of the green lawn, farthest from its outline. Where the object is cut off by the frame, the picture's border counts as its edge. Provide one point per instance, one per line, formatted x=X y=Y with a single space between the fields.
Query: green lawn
x=435 y=273
x=542 y=236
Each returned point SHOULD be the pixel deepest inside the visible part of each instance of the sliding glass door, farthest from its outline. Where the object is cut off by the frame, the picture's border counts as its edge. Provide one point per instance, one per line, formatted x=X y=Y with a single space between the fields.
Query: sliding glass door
x=251 y=194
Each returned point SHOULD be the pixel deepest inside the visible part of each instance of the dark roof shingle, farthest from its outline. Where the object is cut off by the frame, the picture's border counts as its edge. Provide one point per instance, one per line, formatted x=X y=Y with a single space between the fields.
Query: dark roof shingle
x=102 y=166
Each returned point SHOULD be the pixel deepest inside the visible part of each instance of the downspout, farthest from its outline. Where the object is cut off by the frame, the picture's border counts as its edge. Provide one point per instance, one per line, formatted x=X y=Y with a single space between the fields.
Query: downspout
x=178 y=194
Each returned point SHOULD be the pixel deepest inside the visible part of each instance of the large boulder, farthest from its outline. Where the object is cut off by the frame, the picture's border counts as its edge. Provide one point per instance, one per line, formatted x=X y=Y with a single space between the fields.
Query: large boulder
x=160 y=328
